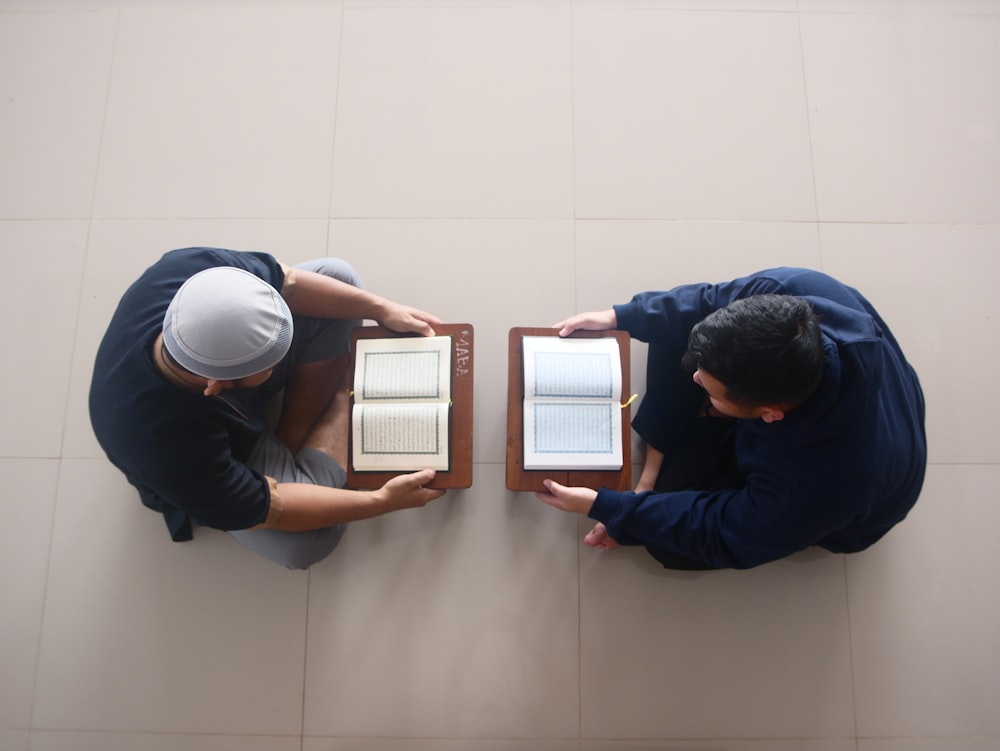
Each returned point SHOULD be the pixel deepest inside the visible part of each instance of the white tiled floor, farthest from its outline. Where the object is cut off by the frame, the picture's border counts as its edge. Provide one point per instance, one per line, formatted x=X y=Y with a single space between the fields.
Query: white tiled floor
x=503 y=162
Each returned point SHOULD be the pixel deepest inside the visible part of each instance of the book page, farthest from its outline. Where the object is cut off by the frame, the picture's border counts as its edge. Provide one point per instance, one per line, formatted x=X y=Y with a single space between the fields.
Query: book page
x=402 y=398
x=572 y=417
x=400 y=436
x=404 y=369
x=571 y=368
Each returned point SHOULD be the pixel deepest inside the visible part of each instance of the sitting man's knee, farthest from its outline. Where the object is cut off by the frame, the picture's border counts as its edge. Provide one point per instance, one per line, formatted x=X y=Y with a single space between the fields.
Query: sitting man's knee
x=335 y=268
x=312 y=547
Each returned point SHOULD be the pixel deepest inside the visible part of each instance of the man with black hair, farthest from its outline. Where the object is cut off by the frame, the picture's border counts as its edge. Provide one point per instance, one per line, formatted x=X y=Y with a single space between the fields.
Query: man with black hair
x=779 y=413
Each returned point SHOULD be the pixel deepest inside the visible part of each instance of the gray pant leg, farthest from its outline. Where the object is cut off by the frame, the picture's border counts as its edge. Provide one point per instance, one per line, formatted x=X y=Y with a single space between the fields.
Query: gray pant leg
x=316 y=339
x=324 y=338
x=295 y=550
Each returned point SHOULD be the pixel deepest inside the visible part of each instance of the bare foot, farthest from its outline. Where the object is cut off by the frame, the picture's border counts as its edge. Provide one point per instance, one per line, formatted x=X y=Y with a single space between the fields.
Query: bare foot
x=599 y=538
x=308 y=396
x=329 y=434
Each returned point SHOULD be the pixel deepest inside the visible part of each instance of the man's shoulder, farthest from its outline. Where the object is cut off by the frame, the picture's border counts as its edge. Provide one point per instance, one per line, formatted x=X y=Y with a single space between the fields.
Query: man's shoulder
x=794 y=280
x=198 y=258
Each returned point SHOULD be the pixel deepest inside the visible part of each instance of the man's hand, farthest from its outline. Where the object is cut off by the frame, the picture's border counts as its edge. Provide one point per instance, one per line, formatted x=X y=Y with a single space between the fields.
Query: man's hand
x=599 y=538
x=601 y=320
x=407 y=491
x=320 y=296
x=578 y=501
x=405 y=319
x=575 y=500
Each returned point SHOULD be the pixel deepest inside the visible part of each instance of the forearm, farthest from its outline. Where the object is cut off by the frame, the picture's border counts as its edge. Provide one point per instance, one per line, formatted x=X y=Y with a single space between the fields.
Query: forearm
x=305 y=507
x=318 y=296
x=298 y=506
x=650 y=470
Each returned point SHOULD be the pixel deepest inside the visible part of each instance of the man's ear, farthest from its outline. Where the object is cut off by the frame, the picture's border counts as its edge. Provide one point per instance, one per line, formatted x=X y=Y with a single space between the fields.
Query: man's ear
x=214 y=387
x=772 y=414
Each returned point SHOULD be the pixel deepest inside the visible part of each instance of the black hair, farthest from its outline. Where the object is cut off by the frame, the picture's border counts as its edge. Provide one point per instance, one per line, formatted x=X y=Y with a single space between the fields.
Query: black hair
x=765 y=349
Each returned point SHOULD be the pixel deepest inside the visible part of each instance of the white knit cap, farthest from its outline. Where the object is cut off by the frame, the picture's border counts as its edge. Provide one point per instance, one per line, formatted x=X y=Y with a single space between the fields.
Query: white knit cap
x=226 y=324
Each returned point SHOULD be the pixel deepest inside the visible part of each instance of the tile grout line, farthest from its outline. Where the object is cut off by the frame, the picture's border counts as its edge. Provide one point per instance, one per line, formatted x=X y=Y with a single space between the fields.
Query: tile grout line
x=45 y=598
x=327 y=251
x=576 y=306
x=521 y=218
x=809 y=131
x=305 y=664
x=90 y=223
x=333 y=139
x=850 y=653
x=32 y=715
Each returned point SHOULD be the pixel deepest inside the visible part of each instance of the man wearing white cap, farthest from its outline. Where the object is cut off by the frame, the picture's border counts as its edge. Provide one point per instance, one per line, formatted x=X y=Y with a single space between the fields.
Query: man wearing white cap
x=198 y=348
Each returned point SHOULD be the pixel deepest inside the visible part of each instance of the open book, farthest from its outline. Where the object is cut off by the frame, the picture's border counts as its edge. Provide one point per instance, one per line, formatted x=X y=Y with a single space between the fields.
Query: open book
x=572 y=398
x=402 y=398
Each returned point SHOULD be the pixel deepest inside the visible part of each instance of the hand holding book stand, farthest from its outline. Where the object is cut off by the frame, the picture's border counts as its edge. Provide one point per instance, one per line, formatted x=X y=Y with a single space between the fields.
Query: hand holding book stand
x=459 y=415
x=450 y=412
x=521 y=479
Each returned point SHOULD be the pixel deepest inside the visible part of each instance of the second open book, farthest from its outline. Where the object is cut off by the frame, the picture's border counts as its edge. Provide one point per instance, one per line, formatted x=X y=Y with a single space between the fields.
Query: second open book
x=565 y=417
x=572 y=398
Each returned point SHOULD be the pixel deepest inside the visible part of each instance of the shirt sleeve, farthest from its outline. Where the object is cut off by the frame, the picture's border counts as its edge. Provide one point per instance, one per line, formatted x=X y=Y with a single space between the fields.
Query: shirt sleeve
x=275 y=508
x=699 y=525
x=779 y=511
x=668 y=317
x=197 y=473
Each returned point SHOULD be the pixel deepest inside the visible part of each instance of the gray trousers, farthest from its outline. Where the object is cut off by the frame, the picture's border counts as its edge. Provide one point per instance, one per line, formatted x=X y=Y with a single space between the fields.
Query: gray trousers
x=314 y=339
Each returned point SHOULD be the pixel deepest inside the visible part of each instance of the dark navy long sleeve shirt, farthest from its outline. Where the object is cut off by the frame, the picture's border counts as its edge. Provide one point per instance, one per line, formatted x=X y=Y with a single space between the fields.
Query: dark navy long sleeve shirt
x=839 y=471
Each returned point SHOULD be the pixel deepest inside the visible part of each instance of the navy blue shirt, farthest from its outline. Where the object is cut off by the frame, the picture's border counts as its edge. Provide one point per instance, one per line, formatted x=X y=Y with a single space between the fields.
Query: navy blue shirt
x=183 y=451
x=839 y=471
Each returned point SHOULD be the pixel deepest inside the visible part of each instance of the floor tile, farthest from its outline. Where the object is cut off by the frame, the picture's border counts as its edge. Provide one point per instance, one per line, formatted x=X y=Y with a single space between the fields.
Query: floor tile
x=220 y=130
x=667 y=126
x=925 y=618
x=14 y=740
x=435 y=744
x=617 y=259
x=454 y=112
x=143 y=634
x=40 y=258
x=455 y=3
x=460 y=617
x=934 y=288
x=112 y=5
x=771 y=744
x=24 y=549
x=91 y=741
x=695 y=5
x=929 y=744
x=493 y=274
x=119 y=251
x=54 y=71
x=903 y=127
x=937 y=7
x=751 y=654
